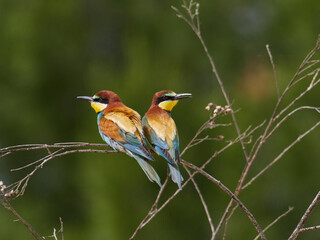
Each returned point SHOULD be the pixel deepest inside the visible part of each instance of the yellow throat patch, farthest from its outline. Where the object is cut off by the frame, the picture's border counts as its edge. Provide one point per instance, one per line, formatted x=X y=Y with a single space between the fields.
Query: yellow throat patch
x=168 y=105
x=98 y=107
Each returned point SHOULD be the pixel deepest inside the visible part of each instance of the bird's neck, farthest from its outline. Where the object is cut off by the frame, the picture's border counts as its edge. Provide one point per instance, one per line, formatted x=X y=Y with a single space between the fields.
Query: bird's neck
x=158 y=110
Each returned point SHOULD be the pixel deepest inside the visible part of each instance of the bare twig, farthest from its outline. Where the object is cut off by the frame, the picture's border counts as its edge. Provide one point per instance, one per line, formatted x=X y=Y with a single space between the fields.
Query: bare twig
x=153 y=210
x=306 y=76
x=201 y=129
x=28 y=147
x=310 y=228
x=305 y=216
x=312 y=84
x=152 y=213
x=298 y=139
x=227 y=222
x=20 y=186
x=8 y=206
x=195 y=26
x=54 y=234
x=202 y=201
x=317 y=109
x=274 y=70
x=275 y=221
x=61 y=228
x=233 y=196
x=262 y=138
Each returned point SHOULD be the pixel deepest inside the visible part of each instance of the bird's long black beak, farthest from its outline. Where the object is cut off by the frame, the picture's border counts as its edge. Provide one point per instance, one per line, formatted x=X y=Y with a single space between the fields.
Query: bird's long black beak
x=86 y=98
x=182 y=96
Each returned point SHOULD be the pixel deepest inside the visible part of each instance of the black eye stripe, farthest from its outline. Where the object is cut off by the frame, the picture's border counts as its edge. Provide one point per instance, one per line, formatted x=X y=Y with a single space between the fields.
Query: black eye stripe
x=164 y=98
x=101 y=100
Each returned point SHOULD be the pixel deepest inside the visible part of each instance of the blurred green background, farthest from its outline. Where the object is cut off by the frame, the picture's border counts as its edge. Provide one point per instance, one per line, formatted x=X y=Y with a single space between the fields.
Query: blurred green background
x=53 y=51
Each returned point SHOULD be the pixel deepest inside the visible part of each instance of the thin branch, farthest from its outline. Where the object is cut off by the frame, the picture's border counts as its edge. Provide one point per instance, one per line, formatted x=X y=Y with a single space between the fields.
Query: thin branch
x=202 y=201
x=305 y=76
x=24 y=181
x=227 y=222
x=274 y=70
x=312 y=84
x=201 y=129
x=305 y=216
x=61 y=228
x=196 y=29
x=298 y=139
x=233 y=196
x=35 y=162
x=310 y=228
x=275 y=221
x=151 y=214
x=153 y=210
x=8 y=206
x=28 y=147
x=190 y=21
x=254 y=145
x=54 y=234
x=317 y=109
x=262 y=140
x=5 y=154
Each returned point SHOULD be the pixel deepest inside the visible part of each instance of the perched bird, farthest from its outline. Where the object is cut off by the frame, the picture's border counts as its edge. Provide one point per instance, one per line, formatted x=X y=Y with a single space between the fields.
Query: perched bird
x=120 y=127
x=161 y=131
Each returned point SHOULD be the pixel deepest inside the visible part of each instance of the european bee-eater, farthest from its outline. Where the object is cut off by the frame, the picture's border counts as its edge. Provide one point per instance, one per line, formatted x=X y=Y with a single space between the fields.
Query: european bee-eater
x=161 y=131
x=120 y=127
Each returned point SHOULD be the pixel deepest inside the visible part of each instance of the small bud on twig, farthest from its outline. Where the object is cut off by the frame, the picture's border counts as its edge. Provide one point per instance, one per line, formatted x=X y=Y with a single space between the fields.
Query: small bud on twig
x=11 y=193
x=217 y=110
x=197 y=9
x=227 y=109
x=220 y=137
x=211 y=125
x=209 y=106
x=2 y=187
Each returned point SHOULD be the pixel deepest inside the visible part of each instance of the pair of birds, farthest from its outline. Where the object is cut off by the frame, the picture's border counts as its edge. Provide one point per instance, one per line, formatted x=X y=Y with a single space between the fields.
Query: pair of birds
x=121 y=128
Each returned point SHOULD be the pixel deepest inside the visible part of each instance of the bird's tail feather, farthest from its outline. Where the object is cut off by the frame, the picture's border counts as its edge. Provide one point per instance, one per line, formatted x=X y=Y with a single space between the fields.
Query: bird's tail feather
x=148 y=170
x=175 y=174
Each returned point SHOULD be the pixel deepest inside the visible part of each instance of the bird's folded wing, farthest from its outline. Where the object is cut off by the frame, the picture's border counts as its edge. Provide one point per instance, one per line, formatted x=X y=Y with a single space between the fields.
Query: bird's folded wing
x=122 y=120
x=154 y=133
x=110 y=129
x=119 y=125
x=126 y=131
x=176 y=147
x=163 y=137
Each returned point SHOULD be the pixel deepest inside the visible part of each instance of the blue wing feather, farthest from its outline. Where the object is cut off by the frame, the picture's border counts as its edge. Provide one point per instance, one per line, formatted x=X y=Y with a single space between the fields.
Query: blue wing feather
x=176 y=147
x=134 y=148
x=163 y=149
x=133 y=143
x=148 y=169
x=152 y=136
